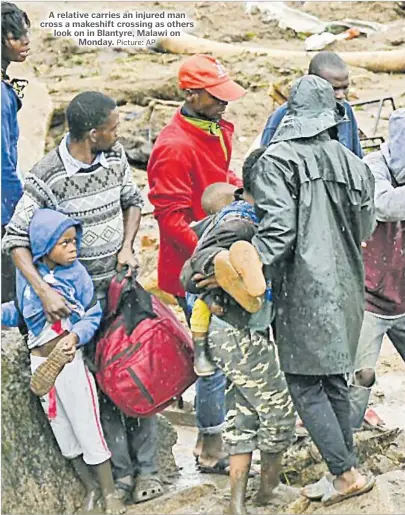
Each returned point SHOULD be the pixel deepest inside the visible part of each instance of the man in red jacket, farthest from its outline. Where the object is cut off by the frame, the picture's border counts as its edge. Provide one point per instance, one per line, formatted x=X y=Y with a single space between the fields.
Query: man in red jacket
x=384 y=260
x=192 y=152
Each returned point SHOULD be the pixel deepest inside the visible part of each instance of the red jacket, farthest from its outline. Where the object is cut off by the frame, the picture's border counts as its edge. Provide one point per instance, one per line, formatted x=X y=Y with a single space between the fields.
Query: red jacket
x=184 y=161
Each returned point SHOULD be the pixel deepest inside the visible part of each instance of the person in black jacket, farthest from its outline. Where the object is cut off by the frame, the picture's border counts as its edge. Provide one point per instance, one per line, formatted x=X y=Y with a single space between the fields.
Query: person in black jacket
x=314 y=199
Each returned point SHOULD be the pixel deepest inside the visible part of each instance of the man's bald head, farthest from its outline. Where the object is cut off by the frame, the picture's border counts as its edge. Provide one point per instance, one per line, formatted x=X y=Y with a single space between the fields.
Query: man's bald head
x=331 y=67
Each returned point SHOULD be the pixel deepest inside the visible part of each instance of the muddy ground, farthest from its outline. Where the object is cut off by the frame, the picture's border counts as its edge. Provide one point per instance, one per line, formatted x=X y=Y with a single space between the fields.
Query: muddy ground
x=143 y=82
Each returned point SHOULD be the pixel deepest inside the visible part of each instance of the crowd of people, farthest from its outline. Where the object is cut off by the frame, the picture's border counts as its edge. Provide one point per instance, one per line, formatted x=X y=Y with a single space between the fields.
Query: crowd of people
x=289 y=277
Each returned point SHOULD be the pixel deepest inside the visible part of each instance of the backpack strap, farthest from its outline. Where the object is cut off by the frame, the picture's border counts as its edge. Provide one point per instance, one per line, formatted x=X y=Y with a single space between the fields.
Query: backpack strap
x=119 y=285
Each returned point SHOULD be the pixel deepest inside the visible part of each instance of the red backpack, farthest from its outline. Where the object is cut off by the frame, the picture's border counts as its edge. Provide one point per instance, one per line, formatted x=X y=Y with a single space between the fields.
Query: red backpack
x=144 y=355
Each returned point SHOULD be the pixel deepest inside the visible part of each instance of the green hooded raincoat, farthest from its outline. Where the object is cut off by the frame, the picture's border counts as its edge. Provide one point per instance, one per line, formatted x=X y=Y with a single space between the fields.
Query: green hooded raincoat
x=315 y=201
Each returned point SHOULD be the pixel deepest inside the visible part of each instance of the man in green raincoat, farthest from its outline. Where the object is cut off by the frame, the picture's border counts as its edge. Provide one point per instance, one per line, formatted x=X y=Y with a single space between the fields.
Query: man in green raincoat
x=315 y=201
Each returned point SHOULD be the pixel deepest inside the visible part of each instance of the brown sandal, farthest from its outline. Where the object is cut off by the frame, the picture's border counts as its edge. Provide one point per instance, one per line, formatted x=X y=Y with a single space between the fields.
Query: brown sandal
x=332 y=496
x=45 y=375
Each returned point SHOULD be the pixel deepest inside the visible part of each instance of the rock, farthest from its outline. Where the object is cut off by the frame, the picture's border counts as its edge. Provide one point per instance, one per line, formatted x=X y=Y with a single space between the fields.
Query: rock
x=140 y=128
x=400 y=7
x=36 y=478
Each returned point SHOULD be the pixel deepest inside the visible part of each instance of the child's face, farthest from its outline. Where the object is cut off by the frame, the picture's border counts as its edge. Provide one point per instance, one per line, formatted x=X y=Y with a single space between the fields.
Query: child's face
x=64 y=252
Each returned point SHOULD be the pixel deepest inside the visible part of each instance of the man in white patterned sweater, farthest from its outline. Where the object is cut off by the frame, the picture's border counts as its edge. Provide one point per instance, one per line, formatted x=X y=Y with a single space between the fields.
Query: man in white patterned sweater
x=88 y=178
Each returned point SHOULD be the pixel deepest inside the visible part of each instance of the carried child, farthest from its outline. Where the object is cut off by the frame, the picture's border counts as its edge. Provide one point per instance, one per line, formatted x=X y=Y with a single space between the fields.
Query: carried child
x=260 y=411
x=224 y=249
x=60 y=377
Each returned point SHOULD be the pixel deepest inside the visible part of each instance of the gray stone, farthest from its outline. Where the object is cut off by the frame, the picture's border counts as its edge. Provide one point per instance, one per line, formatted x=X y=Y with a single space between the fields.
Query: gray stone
x=35 y=476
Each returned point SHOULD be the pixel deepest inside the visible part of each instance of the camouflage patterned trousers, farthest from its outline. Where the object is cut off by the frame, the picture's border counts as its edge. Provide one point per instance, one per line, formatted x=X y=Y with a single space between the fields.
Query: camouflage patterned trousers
x=260 y=413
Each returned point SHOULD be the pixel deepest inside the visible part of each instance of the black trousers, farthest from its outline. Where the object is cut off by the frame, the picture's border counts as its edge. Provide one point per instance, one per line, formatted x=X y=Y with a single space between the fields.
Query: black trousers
x=133 y=442
x=323 y=404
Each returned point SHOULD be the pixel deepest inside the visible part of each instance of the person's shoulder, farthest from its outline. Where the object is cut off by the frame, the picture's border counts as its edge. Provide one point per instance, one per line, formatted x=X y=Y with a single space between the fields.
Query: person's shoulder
x=282 y=108
x=349 y=110
x=173 y=142
x=353 y=162
x=6 y=91
x=374 y=157
x=173 y=131
x=46 y=167
x=7 y=99
x=76 y=274
x=280 y=151
x=279 y=113
x=377 y=163
x=334 y=145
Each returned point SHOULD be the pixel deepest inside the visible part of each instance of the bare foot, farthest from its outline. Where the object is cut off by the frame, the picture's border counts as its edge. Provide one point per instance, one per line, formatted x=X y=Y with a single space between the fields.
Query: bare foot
x=113 y=505
x=349 y=481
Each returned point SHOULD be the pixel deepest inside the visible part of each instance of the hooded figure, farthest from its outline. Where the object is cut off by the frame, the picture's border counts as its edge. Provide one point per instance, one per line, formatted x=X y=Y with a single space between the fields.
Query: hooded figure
x=384 y=260
x=314 y=199
x=384 y=253
x=72 y=282
x=315 y=202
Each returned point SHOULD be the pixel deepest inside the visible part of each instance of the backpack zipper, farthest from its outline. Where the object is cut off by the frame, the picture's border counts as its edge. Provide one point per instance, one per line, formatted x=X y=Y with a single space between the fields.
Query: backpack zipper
x=141 y=386
x=128 y=351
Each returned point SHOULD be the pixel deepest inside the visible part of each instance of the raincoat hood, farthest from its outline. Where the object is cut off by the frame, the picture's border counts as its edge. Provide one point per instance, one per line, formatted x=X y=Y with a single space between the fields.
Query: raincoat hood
x=312 y=109
x=393 y=151
x=45 y=229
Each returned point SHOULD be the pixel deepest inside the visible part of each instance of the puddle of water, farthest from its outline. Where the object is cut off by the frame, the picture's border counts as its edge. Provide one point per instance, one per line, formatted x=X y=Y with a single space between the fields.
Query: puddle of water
x=189 y=473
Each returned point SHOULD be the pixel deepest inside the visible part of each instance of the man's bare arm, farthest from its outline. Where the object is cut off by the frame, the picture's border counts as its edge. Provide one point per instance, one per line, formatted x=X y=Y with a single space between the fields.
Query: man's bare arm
x=54 y=305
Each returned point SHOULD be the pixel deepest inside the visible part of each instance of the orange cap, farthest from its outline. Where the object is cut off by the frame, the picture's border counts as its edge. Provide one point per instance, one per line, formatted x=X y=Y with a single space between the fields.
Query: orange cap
x=205 y=72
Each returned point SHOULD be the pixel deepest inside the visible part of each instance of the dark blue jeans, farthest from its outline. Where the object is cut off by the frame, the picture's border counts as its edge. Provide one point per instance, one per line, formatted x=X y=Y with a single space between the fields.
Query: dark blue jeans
x=210 y=395
x=210 y=403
